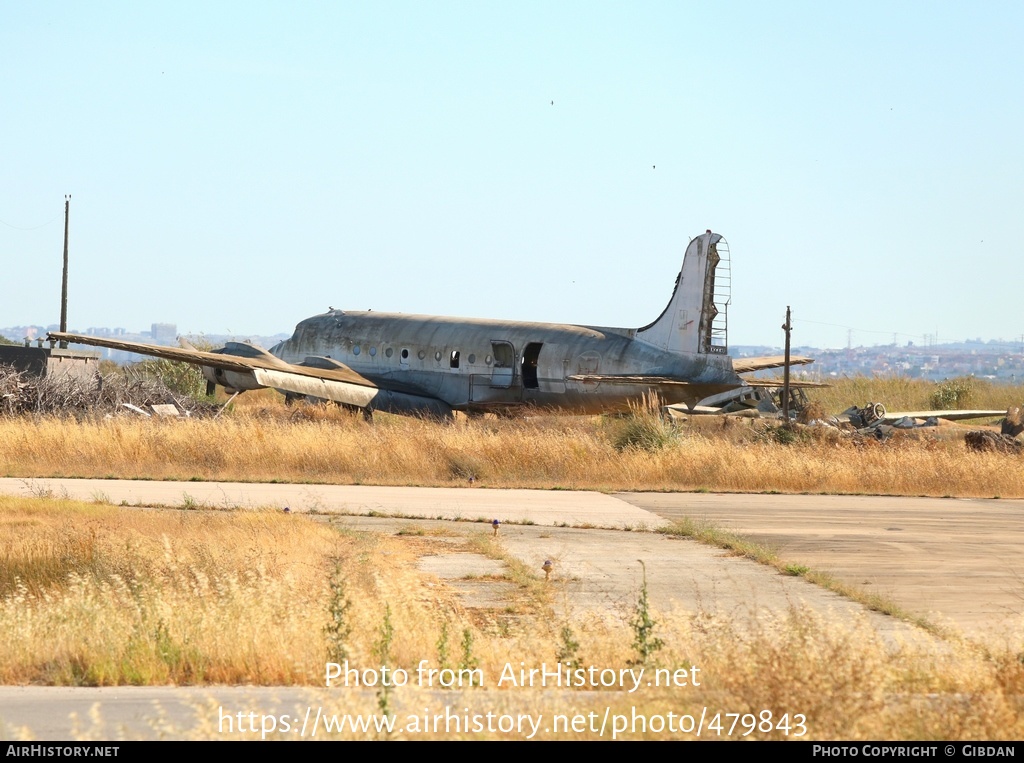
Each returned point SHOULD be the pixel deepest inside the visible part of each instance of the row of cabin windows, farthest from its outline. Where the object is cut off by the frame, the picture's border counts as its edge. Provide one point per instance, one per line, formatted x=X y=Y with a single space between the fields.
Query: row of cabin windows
x=453 y=360
x=503 y=349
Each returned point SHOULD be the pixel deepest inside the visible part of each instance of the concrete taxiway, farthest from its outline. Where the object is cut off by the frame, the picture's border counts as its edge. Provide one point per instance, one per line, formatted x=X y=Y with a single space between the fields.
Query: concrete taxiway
x=958 y=562
x=539 y=506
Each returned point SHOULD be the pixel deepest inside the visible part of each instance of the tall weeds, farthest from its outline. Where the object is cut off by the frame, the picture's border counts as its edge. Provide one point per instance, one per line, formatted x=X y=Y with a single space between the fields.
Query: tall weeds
x=544 y=453
x=249 y=598
x=262 y=440
x=900 y=393
x=647 y=427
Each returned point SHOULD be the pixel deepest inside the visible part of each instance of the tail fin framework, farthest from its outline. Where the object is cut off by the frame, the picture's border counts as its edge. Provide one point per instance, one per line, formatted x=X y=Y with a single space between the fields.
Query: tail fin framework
x=696 y=317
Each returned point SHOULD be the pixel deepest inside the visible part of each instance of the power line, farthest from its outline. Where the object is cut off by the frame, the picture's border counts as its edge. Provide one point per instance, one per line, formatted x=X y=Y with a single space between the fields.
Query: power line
x=34 y=227
x=861 y=331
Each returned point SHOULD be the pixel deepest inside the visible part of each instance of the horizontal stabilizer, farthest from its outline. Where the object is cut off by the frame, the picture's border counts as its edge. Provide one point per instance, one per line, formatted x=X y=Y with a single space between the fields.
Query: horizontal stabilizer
x=746 y=365
x=780 y=383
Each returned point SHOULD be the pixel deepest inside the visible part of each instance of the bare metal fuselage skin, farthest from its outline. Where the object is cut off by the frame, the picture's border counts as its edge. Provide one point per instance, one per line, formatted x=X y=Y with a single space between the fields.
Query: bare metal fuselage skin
x=479 y=365
x=435 y=365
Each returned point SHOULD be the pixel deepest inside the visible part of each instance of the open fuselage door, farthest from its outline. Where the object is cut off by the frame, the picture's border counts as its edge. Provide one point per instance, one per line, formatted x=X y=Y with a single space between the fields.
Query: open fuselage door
x=503 y=386
x=503 y=372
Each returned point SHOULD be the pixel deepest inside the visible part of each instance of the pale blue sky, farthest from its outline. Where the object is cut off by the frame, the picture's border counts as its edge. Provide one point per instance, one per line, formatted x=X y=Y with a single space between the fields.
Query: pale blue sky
x=240 y=166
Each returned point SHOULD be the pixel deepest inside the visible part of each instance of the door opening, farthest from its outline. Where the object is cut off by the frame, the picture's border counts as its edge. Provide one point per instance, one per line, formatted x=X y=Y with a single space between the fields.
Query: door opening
x=529 y=368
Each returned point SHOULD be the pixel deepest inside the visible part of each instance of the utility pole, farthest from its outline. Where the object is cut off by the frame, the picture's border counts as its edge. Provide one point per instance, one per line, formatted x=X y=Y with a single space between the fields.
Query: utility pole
x=787 y=327
x=64 y=281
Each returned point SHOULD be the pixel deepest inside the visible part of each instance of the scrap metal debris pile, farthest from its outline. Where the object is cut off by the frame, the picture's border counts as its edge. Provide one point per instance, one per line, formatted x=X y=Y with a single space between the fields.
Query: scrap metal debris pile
x=874 y=420
x=871 y=420
x=116 y=394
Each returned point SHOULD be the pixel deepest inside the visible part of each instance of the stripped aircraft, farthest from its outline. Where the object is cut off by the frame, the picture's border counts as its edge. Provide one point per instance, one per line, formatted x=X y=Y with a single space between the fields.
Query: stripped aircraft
x=430 y=365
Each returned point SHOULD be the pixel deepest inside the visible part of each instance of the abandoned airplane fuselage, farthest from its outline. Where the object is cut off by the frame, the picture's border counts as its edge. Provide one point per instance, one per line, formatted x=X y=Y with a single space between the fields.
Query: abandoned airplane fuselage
x=436 y=365
x=481 y=365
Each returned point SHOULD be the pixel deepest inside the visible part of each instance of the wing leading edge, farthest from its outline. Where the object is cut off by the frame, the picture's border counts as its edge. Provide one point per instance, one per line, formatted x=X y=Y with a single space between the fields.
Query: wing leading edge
x=236 y=356
x=747 y=365
x=243 y=366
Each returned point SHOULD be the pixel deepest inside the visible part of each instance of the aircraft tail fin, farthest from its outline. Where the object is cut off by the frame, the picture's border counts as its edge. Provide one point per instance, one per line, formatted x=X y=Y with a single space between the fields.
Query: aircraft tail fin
x=695 y=320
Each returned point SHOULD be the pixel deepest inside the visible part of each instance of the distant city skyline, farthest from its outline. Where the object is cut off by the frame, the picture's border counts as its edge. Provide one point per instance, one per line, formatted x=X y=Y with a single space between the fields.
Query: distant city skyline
x=170 y=333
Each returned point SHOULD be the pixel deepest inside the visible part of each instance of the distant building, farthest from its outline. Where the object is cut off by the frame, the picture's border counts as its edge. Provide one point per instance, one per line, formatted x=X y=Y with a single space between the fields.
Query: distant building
x=47 y=361
x=164 y=333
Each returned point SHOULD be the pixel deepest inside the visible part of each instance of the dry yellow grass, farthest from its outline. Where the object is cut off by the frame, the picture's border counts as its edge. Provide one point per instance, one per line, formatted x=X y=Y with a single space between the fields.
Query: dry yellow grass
x=900 y=393
x=537 y=453
x=97 y=595
x=102 y=595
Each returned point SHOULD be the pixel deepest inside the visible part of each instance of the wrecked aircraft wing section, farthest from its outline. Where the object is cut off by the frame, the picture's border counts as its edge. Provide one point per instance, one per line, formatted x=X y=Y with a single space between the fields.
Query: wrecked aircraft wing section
x=960 y=415
x=871 y=419
x=747 y=365
x=875 y=413
x=751 y=400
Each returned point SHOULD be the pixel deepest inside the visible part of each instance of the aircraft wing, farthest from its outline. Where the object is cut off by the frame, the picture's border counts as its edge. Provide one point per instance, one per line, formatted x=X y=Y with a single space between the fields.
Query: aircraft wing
x=241 y=366
x=948 y=415
x=746 y=365
x=238 y=357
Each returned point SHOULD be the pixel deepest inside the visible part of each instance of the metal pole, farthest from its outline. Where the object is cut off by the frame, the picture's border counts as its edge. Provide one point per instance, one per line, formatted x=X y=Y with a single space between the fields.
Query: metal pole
x=787 y=327
x=64 y=281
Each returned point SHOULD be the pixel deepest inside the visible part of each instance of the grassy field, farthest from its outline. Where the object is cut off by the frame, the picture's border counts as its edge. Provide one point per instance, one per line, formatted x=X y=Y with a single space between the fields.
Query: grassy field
x=92 y=594
x=99 y=595
x=899 y=393
x=262 y=440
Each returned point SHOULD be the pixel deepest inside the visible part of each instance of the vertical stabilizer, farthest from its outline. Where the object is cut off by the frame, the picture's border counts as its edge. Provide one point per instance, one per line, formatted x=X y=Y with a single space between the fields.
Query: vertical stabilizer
x=695 y=319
